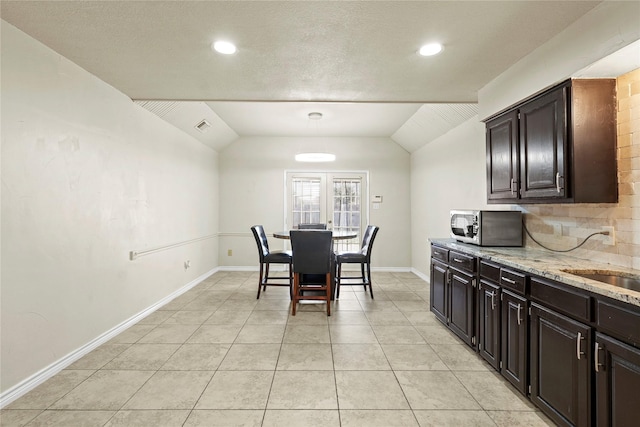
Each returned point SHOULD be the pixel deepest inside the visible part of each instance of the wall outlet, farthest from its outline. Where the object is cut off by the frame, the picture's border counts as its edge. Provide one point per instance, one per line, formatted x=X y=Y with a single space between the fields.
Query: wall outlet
x=229 y=252
x=611 y=238
x=187 y=264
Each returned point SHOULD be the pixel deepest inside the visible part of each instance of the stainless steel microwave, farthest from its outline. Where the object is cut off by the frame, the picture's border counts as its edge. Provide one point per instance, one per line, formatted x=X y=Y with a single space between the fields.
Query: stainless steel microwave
x=487 y=228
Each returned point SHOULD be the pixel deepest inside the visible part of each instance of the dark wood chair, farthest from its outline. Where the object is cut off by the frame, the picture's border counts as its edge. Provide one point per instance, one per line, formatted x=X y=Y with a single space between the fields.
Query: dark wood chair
x=312 y=226
x=268 y=257
x=312 y=253
x=362 y=257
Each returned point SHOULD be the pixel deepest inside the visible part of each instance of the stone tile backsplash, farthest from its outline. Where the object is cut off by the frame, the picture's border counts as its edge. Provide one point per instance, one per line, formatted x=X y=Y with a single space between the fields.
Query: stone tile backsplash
x=563 y=226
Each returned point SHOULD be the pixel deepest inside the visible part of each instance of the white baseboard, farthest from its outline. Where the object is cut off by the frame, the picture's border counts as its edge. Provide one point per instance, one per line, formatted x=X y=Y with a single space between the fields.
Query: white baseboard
x=44 y=374
x=420 y=275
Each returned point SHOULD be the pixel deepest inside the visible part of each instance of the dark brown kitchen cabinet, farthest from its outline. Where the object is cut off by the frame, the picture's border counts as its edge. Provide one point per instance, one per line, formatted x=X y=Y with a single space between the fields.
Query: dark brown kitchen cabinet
x=560 y=371
x=514 y=334
x=617 y=367
x=557 y=146
x=453 y=291
x=489 y=322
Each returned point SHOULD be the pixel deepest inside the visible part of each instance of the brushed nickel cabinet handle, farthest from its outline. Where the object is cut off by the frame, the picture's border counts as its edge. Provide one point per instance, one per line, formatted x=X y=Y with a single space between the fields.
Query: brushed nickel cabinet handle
x=558 y=177
x=513 y=282
x=578 y=352
x=596 y=359
x=519 y=318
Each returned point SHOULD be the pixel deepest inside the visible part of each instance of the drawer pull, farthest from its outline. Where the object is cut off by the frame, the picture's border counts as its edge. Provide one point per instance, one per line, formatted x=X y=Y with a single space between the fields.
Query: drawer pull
x=513 y=282
x=578 y=346
x=558 y=178
x=513 y=186
x=458 y=260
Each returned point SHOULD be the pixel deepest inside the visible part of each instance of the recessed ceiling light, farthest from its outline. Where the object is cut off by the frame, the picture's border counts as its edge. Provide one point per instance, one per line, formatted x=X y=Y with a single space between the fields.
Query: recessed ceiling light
x=430 y=49
x=226 y=48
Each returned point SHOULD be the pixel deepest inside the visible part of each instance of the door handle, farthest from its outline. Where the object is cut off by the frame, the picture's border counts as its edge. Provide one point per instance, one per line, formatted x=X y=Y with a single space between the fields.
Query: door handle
x=519 y=318
x=513 y=186
x=493 y=300
x=596 y=359
x=558 y=177
x=513 y=282
x=578 y=346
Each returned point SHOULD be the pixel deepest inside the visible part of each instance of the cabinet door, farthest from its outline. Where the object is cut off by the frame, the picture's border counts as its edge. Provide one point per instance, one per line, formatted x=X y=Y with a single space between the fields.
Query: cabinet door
x=489 y=323
x=514 y=322
x=461 y=308
x=439 y=288
x=560 y=367
x=543 y=142
x=502 y=157
x=617 y=368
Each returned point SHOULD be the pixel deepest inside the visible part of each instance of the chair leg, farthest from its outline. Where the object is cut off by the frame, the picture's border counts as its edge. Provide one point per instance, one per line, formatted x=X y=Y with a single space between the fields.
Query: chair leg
x=291 y=281
x=364 y=278
x=296 y=281
x=327 y=282
x=266 y=277
x=338 y=280
x=260 y=280
x=369 y=280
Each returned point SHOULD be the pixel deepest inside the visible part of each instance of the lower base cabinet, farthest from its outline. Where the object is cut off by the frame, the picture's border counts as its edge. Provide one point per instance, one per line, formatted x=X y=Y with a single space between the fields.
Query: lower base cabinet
x=560 y=367
x=617 y=368
x=513 y=365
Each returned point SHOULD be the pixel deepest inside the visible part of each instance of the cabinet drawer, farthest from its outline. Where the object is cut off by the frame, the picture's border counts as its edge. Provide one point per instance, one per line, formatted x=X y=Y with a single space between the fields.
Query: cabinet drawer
x=513 y=280
x=561 y=298
x=490 y=271
x=462 y=262
x=440 y=253
x=621 y=322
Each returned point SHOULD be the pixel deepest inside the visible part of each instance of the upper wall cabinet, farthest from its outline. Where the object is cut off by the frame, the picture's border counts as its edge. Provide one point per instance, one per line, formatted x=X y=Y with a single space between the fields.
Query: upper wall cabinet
x=559 y=146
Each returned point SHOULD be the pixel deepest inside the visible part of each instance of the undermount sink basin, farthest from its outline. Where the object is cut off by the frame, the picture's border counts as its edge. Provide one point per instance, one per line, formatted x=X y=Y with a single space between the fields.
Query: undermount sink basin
x=615 y=278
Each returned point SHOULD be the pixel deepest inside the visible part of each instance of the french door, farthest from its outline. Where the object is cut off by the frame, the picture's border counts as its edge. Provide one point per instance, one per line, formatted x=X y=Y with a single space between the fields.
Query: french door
x=337 y=199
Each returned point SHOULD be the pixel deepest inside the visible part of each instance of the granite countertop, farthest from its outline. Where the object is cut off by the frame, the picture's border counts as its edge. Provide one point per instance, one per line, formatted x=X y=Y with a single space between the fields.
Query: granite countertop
x=549 y=264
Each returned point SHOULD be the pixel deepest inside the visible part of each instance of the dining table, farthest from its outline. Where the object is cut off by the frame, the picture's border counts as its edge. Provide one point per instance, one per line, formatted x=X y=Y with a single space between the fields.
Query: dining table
x=335 y=236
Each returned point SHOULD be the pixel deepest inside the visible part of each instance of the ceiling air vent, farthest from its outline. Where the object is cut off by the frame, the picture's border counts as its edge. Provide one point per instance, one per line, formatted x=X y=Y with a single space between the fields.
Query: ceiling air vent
x=203 y=126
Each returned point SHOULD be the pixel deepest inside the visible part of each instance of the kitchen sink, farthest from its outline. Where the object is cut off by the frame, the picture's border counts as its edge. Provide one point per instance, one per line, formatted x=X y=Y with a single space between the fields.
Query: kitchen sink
x=615 y=278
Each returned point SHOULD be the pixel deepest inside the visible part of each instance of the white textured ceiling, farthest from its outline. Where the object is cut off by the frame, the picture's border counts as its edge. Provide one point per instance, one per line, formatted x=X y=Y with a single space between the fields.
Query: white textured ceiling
x=357 y=58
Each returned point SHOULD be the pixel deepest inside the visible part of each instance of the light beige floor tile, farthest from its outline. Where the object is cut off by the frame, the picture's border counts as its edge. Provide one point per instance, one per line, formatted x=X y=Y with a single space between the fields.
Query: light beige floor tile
x=155 y=418
x=377 y=418
x=179 y=302
x=422 y=318
x=225 y=418
x=261 y=334
x=435 y=390
x=306 y=418
x=99 y=357
x=251 y=357
x=71 y=418
x=403 y=296
x=413 y=357
x=520 y=419
x=207 y=301
x=104 y=390
x=359 y=357
x=17 y=417
x=131 y=334
x=378 y=305
x=170 y=390
x=156 y=318
x=272 y=304
x=301 y=357
x=345 y=305
x=237 y=390
x=189 y=317
x=387 y=318
x=369 y=390
x=303 y=390
x=51 y=390
x=492 y=392
x=397 y=335
x=197 y=357
x=460 y=357
x=439 y=418
x=268 y=317
x=437 y=334
x=352 y=334
x=378 y=295
x=221 y=317
x=169 y=334
x=309 y=318
x=348 y=318
x=143 y=357
x=412 y=306
x=215 y=334
x=238 y=305
x=306 y=334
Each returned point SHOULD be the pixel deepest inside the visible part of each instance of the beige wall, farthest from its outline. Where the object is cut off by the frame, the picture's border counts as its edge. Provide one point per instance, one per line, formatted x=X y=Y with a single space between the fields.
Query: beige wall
x=88 y=176
x=252 y=172
x=564 y=226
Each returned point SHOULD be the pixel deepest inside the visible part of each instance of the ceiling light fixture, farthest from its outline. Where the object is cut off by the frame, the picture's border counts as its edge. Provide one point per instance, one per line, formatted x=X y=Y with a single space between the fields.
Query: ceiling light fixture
x=223 y=47
x=430 y=49
x=316 y=156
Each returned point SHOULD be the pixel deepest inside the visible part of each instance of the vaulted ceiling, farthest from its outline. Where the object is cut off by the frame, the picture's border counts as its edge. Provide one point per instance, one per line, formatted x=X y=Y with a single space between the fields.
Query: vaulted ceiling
x=354 y=61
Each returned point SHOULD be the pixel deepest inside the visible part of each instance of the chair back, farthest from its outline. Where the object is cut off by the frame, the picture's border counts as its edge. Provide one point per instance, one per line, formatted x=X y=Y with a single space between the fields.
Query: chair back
x=312 y=251
x=367 y=240
x=312 y=226
x=261 y=241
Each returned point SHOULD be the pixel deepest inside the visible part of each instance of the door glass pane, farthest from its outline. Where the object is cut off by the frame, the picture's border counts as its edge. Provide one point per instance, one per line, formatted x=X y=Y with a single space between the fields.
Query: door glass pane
x=347 y=196
x=306 y=200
